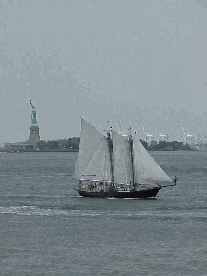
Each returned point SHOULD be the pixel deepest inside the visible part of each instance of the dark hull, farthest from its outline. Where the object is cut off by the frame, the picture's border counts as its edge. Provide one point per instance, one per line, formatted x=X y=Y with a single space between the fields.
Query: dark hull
x=123 y=194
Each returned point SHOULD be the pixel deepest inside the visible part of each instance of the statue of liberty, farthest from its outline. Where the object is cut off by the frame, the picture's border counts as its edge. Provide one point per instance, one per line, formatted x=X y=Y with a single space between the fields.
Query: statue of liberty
x=33 y=115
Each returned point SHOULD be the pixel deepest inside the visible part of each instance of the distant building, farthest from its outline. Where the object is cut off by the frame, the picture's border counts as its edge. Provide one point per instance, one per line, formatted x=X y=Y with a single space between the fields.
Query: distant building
x=21 y=146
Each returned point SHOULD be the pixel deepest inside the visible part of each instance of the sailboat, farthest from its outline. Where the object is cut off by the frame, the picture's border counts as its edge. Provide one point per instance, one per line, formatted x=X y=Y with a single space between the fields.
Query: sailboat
x=116 y=165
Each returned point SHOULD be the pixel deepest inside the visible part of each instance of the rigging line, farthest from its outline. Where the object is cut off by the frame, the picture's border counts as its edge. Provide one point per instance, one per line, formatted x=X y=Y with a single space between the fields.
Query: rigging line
x=86 y=120
x=95 y=125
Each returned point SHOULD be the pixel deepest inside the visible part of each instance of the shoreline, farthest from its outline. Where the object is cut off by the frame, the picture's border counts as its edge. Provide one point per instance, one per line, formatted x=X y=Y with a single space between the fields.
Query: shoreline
x=36 y=151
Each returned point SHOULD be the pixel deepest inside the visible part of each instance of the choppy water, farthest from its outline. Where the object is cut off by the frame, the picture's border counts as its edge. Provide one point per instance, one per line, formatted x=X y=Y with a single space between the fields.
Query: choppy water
x=47 y=229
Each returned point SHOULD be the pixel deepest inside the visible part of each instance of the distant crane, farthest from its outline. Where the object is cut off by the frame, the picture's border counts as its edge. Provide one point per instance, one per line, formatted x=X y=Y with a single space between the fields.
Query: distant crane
x=199 y=141
x=187 y=138
x=160 y=136
x=147 y=137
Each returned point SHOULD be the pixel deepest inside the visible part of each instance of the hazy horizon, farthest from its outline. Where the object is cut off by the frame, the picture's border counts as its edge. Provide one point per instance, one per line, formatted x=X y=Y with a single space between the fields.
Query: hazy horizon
x=131 y=62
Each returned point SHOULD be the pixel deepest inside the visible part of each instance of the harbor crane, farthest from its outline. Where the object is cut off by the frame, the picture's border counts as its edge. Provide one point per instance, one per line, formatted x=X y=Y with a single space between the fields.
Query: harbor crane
x=147 y=137
x=160 y=136
x=187 y=138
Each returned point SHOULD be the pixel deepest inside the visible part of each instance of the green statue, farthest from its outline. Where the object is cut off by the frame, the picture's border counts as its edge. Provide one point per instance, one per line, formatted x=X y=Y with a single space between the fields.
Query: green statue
x=33 y=115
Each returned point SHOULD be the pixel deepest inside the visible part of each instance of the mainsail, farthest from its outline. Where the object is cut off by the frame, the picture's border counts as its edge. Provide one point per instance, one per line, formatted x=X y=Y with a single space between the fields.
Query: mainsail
x=123 y=169
x=94 y=157
x=145 y=168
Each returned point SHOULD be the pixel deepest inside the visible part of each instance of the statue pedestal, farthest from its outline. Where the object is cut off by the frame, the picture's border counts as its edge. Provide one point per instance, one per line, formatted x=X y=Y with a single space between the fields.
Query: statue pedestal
x=34 y=136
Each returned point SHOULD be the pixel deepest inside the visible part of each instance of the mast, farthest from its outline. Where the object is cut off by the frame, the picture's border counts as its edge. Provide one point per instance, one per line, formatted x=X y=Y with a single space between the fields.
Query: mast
x=110 y=142
x=110 y=146
x=131 y=153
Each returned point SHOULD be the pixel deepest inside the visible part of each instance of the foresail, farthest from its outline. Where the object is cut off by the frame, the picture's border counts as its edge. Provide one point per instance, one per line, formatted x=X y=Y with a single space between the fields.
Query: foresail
x=122 y=159
x=99 y=166
x=145 y=167
x=90 y=140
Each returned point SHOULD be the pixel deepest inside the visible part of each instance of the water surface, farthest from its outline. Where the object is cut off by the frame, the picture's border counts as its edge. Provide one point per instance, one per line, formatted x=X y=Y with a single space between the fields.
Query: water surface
x=48 y=229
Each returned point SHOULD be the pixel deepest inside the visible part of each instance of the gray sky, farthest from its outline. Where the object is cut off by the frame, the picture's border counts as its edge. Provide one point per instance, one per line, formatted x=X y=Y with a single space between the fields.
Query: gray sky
x=130 y=61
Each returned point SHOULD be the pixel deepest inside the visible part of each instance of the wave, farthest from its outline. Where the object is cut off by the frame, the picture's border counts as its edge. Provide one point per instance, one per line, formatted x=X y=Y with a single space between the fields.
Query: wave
x=69 y=211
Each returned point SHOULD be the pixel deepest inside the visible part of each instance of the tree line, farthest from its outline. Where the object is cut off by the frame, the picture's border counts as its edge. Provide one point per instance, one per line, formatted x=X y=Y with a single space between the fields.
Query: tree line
x=73 y=144
x=164 y=145
x=60 y=144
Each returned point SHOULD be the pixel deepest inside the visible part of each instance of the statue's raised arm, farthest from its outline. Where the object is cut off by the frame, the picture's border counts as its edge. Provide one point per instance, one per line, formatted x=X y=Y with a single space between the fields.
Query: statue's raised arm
x=33 y=107
x=33 y=114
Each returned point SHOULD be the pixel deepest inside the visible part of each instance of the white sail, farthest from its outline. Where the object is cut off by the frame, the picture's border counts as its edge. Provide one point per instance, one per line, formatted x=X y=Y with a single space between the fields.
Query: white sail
x=146 y=170
x=99 y=167
x=123 y=172
x=90 y=140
